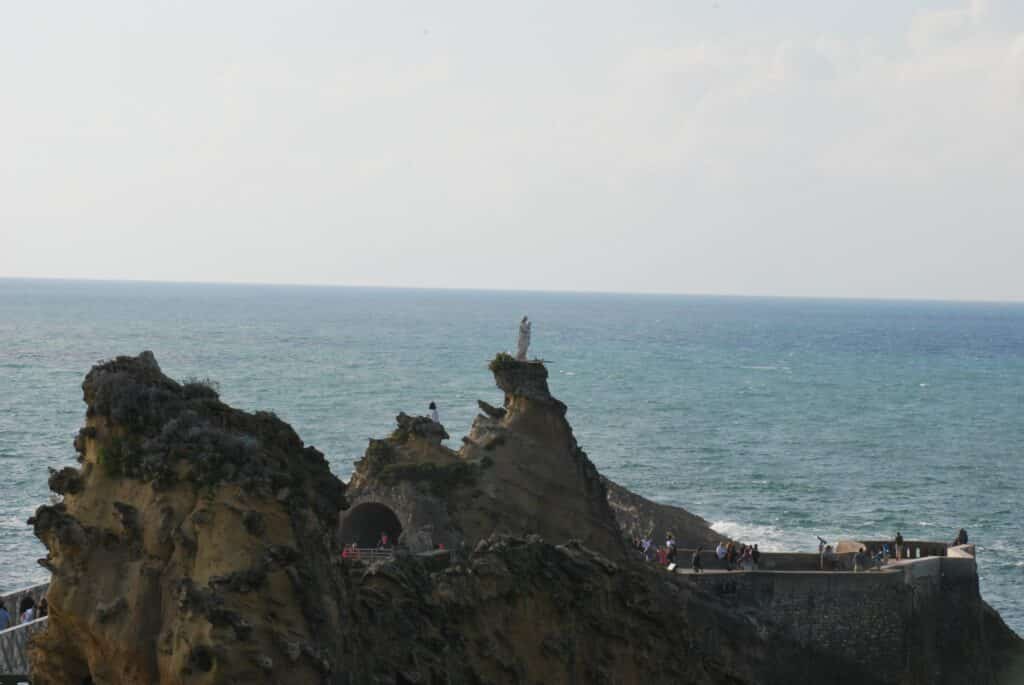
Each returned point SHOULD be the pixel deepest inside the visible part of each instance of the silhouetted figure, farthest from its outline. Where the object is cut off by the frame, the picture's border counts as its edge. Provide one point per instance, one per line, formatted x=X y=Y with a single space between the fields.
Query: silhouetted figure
x=695 y=561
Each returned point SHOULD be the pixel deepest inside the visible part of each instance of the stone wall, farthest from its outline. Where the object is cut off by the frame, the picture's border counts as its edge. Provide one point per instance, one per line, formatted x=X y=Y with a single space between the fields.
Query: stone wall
x=905 y=618
x=859 y=616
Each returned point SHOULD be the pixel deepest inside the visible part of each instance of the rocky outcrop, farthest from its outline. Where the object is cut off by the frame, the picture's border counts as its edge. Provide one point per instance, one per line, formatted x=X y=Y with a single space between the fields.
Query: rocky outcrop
x=518 y=610
x=519 y=471
x=196 y=545
x=639 y=517
x=160 y=573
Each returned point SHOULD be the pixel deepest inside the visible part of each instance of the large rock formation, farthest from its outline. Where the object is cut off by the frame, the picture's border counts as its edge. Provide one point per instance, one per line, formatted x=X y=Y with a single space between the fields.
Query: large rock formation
x=639 y=517
x=197 y=544
x=193 y=544
x=518 y=472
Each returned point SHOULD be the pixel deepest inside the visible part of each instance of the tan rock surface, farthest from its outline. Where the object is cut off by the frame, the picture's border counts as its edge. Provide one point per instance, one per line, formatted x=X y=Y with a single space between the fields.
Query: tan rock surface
x=174 y=553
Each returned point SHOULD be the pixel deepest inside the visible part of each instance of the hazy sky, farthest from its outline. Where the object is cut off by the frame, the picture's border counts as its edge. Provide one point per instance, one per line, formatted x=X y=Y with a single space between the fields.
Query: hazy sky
x=842 y=148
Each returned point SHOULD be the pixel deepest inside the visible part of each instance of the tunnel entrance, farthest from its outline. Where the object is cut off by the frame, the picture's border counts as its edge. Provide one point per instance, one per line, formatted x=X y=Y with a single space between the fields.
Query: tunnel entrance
x=364 y=524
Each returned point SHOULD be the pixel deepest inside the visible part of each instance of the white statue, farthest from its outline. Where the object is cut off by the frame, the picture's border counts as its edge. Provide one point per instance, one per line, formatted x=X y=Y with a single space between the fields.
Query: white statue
x=524 y=339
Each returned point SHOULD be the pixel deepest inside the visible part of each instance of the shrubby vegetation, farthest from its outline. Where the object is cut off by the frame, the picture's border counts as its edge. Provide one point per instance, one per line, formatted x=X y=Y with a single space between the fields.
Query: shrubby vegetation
x=159 y=424
x=502 y=360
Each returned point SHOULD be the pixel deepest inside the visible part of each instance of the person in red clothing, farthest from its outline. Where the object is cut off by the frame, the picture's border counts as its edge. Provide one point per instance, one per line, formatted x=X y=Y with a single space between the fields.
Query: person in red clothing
x=662 y=556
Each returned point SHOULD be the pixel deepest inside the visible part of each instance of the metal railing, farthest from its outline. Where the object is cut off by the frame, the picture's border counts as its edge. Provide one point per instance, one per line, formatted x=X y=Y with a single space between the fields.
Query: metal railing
x=14 y=640
x=370 y=554
x=14 y=646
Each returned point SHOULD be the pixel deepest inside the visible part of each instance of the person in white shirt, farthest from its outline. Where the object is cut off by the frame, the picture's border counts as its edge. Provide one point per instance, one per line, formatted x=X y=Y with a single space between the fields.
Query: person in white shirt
x=720 y=551
x=28 y=610
x=670 y=546
x=434 y=416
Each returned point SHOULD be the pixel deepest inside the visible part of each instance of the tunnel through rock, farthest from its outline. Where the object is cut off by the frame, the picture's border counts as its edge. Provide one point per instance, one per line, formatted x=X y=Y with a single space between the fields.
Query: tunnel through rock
x=364 y=524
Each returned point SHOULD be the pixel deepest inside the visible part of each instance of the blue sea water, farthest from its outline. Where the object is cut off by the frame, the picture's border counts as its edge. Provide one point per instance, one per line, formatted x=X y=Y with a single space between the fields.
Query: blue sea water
x=777 y=419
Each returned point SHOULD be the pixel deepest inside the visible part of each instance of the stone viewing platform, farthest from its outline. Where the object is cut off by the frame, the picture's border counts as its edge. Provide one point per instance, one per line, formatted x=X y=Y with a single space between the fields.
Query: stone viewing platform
x=871 y=616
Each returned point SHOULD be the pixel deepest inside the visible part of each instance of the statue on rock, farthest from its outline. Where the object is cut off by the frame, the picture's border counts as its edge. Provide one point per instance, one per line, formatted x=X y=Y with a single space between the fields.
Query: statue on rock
x=524 y=339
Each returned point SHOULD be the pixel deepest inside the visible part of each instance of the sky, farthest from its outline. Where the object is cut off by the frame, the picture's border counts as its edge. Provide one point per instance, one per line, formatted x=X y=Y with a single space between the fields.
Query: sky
x=850 y=148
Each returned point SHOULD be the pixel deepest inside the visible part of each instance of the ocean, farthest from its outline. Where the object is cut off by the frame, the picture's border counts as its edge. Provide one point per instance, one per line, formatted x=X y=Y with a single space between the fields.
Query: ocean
x=776 y=419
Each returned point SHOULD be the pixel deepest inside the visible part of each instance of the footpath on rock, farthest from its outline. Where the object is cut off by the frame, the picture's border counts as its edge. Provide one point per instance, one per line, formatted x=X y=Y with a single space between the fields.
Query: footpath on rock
x=196 y=543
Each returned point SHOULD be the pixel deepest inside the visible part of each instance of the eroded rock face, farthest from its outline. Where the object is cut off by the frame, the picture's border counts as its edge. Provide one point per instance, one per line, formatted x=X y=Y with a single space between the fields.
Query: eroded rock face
x=519 y=471
x=640 y=517
x=176 y=551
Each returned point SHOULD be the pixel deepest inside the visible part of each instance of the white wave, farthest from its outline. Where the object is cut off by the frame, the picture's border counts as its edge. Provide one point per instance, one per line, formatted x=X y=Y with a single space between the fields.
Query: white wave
x=768 y=538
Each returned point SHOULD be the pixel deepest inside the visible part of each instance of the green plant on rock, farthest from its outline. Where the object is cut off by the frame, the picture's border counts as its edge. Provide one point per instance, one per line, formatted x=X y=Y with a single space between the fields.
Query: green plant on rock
x=502 y=360
x=119 y=458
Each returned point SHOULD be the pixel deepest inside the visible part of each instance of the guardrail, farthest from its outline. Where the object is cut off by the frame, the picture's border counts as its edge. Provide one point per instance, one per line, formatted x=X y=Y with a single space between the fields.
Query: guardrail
x=14 y=646
x=370 y=554
x=14 y=666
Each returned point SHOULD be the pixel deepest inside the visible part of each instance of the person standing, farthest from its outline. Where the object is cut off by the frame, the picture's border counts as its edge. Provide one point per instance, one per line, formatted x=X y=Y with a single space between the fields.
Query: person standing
x=899 y=545
x=670 y=547
x=695 y=562
x=5 y=617
x=645 y=548
x=27 y=609
x=755 y=555
x=434 y=416
x=730 y=556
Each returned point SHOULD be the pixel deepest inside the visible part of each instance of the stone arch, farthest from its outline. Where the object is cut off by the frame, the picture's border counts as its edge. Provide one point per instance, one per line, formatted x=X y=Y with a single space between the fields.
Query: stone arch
x=364 y=523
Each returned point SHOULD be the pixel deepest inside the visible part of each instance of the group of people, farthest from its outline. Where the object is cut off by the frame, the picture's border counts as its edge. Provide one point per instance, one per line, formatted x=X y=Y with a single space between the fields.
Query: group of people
x=384 y=542
x=866 y=558
x=648 y=551
x=732 y=555
x=743 y=557
x=28 y=610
